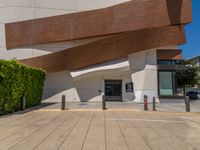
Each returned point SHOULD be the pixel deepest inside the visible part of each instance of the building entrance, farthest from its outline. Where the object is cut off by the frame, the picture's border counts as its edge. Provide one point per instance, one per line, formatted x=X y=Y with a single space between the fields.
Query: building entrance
x=113 y=90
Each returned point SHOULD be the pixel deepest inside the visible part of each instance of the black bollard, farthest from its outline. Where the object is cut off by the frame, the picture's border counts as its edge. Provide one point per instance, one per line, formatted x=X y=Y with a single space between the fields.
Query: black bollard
x=23 y=103
x=187 y=103
x=63 y=103
x=145 y=103
x=154 y=104
x=103 y=102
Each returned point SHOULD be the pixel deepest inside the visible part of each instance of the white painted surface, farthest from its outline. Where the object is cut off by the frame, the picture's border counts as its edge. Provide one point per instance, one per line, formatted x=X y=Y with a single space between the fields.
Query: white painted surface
x=88 y=87
x=2 y=35
x=144 y=74
x=15 y=53
x=17 y=3
x=46 y=12
x=56 y=4
x=13 y=14
x=121 y=64
x=58 y=84
x=89 y=82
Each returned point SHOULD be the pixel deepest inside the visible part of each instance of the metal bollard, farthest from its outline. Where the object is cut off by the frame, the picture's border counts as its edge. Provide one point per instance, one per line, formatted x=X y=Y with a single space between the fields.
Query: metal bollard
x=63 y=103
x=187 y=103
x=145 y=103
x=154 y=104
x=103 y=102
x=23 y=103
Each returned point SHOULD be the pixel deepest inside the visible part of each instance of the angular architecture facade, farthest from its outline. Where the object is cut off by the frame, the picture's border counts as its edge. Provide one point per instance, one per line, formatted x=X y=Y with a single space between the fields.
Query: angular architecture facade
x=123 y=49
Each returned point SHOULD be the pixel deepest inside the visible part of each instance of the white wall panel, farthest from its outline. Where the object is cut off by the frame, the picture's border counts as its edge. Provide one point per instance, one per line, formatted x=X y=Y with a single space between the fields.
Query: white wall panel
x=144 y=74
x=14 y=3
x=44 y=12
x=57 y=4
x=21 y=53
x=2 y=35
x=13 y=14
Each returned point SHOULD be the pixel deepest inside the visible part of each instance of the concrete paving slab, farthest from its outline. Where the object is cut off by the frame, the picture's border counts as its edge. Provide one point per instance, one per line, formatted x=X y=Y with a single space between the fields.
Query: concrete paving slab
x=104 y=130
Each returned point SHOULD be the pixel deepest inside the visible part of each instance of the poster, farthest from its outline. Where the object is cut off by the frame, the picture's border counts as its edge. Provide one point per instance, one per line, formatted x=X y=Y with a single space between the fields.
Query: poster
x=129 y=87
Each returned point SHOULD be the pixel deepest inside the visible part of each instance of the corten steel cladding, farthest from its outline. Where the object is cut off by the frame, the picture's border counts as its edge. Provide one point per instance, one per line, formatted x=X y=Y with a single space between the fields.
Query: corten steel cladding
x=129 y=16
x=169 y=54
x=109 y=48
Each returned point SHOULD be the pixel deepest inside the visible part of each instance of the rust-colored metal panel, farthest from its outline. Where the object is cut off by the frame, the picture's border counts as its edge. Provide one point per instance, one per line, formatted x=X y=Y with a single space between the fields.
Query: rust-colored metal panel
x=169 y=54
x=124 y=17
x=108 y=48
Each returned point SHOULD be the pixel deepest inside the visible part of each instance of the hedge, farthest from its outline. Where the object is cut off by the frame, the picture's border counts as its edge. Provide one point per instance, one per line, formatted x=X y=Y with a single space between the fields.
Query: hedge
x=17 y=81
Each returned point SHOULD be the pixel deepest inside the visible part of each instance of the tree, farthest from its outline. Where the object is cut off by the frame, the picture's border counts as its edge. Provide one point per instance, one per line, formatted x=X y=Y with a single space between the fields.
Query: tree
x=189 y=77
x=198 y=76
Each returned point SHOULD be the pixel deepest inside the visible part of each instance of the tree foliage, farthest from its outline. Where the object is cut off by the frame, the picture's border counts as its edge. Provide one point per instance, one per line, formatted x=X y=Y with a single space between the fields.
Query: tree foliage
x=189 y=77
x=16 y=81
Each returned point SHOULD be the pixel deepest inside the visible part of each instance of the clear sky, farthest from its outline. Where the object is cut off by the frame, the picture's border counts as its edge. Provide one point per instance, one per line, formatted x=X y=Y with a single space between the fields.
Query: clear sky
x=192 y=47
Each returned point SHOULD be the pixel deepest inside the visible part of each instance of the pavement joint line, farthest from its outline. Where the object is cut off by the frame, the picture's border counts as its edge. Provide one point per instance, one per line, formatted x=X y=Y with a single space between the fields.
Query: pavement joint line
x=87 y=110
x=35 y=130
x=181 y=138
x=160 y=135
x=82 y=146
x=70 y=131
x=28 y=125
x=67 y=118
x=143 y=120
x=105 y=139
x=125 y=141
x=131 y=122
x=119 y=110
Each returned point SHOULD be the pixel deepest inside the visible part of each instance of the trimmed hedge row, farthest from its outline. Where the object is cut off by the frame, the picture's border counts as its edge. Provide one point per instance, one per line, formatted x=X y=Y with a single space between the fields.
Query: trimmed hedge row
x=16 y=81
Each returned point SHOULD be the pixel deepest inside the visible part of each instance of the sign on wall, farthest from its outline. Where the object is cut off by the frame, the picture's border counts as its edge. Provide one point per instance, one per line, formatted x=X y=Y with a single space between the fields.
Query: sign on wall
x=129 y=87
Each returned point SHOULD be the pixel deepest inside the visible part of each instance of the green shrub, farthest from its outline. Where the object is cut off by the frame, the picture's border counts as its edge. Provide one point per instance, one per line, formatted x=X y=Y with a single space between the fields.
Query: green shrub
x=16 y=81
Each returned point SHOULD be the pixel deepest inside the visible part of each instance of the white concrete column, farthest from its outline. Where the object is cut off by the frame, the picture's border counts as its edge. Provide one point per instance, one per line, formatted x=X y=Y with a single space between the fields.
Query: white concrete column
x=127 y=96
x=143 y=67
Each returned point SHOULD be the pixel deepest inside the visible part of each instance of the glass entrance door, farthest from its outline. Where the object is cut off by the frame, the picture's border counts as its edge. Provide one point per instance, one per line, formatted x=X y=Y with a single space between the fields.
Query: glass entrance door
x=113 y=90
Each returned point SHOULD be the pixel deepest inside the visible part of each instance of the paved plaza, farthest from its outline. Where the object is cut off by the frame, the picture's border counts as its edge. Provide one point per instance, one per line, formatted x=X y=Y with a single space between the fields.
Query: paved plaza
x=48 y=128
x=161 y=107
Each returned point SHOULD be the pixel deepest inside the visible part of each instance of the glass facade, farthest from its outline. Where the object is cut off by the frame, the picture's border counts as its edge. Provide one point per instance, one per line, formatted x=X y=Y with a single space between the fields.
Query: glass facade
x=167 y=79
x=167 y=83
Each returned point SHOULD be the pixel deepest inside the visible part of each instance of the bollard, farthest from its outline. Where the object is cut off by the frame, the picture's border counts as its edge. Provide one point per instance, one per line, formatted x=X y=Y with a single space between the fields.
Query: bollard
x=154 y=104
x=103 y=102
x=145 y=102
x=187 y=103
x=23 y=103
x=63 y=103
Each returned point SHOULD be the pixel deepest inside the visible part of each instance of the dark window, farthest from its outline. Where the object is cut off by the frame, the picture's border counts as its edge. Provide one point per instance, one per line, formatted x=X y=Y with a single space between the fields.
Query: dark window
x=168 y=62
x=113 y=90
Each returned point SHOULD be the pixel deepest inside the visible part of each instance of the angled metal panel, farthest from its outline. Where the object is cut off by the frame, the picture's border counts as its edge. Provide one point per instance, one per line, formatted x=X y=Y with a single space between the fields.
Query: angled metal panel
x=128 y=16
x=109 y=48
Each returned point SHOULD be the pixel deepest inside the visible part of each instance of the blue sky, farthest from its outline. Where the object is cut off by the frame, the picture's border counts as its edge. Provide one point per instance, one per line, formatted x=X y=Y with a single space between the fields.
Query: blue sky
x=192 y=47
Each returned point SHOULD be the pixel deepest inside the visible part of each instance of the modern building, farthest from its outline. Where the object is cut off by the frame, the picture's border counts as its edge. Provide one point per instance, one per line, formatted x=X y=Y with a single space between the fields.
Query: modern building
x=196 y=60
x=123 y=49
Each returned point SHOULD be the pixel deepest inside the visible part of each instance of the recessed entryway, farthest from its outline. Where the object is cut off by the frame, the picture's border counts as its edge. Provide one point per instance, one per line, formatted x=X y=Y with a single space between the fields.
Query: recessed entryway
x=113 y=90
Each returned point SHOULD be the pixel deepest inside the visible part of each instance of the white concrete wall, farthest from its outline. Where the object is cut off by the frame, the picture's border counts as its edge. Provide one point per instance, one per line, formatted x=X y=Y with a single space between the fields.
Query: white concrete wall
x=143 y=67
x=58 y=84
x=89 y=87
x=88 y=84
